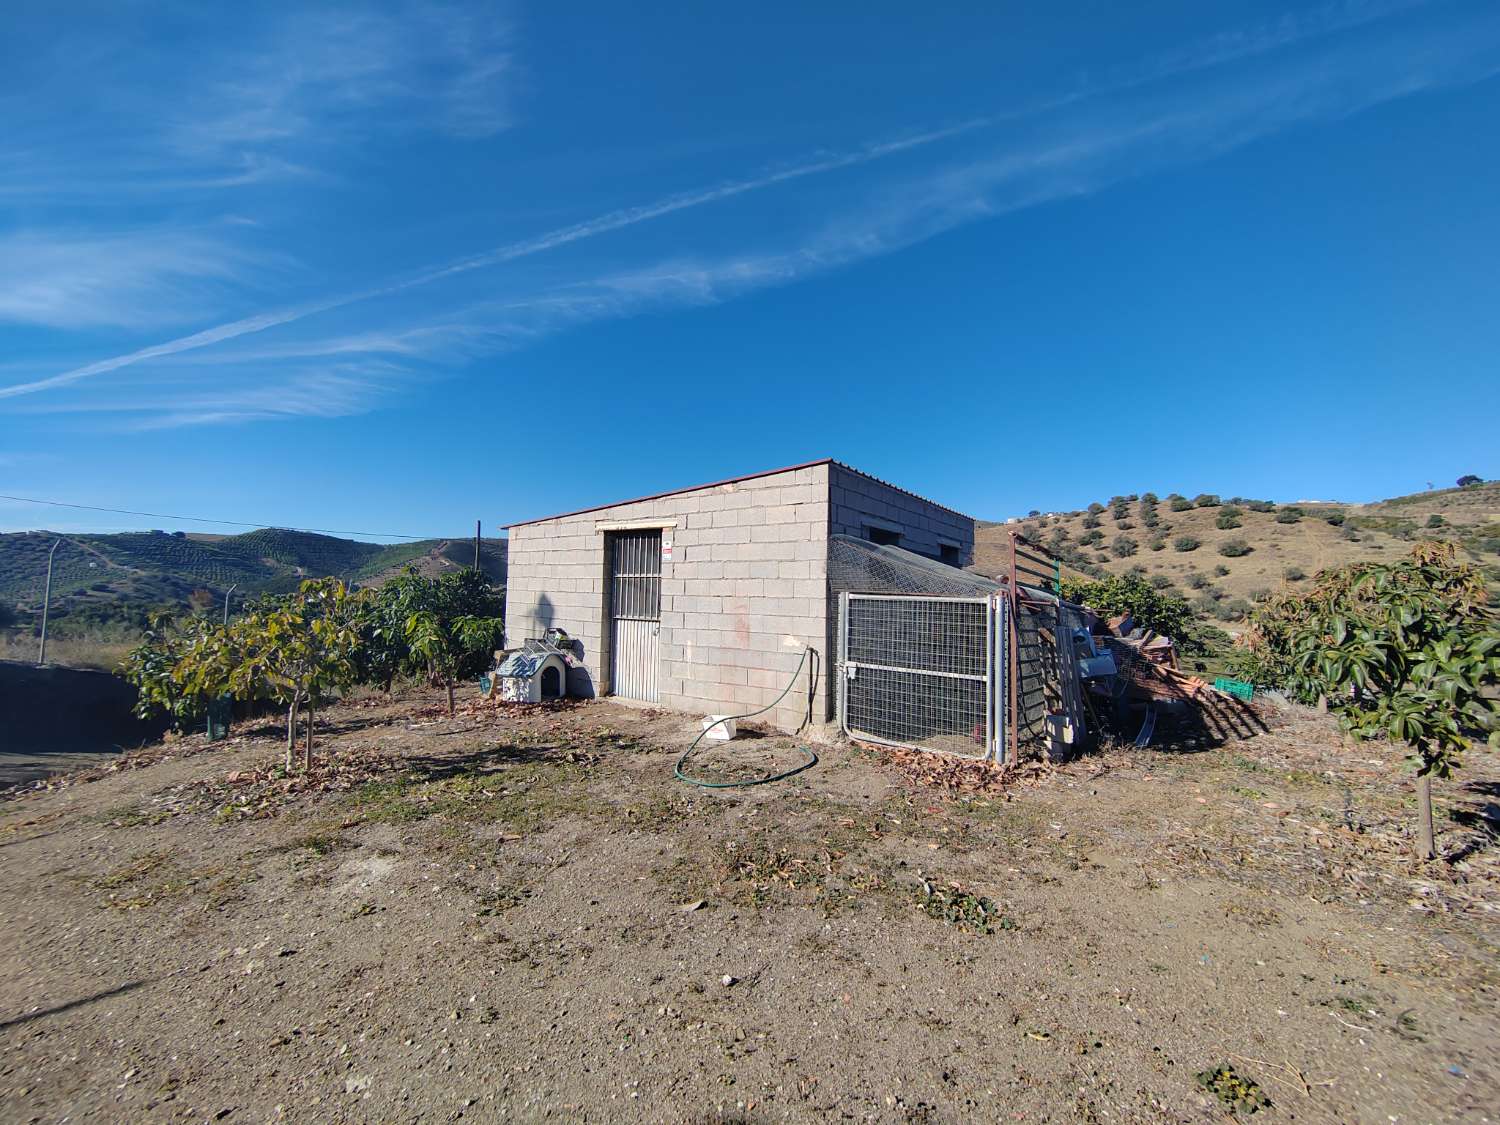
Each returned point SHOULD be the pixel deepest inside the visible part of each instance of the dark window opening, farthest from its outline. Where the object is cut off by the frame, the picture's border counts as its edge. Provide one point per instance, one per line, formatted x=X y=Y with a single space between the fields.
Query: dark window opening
x=882 y=536
x=950 y=555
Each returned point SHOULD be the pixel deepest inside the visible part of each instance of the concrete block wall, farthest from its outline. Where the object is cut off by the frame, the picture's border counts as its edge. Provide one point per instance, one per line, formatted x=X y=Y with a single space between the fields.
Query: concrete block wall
x=745 y=592
x=857 y=500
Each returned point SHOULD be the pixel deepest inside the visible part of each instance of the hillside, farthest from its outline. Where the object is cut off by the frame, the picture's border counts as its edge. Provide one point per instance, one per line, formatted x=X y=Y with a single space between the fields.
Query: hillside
x=95 y=575
x=1287 y=543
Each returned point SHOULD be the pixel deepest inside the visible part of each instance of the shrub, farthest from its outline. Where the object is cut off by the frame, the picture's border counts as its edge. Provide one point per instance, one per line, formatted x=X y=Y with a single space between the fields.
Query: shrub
x=1095 y=508
x=1227 y=521
x=1205 y=500
x=1220 y=570
x=1159 y=581
x=1289 y=515
x=1033 y=513
x=1091 y=521
x=1148 y=498
x=1350 y=534
x=1234 y=548
x=1180 y=504
x=1260 y=505
x=1469 y=480
x=1435 y=520
x=1259 y=594
x=1158 y=543
x=1123 y=547
x=1205 y=605
x=1294 y=574
x=1236 y=609
x=1489 y=545
x=1123 y=525
x=1090 y=537
x=1149 y=519
x=1185 y=543
x=1197 y=581
x=1335 y=517
x=1152 y=609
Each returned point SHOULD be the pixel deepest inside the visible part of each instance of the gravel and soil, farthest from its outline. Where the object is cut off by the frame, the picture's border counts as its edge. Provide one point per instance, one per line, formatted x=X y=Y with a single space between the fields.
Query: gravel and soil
x=517 y=914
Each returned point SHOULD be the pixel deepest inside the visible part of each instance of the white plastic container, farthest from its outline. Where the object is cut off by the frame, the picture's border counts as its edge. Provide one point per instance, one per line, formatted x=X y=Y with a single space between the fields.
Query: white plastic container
x=721 y=731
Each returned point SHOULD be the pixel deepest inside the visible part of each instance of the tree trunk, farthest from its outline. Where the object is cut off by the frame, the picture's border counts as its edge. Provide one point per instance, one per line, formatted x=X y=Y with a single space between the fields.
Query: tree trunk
x=449 y=684
x=1425 y=849
x=291 y=733
x=307 y=747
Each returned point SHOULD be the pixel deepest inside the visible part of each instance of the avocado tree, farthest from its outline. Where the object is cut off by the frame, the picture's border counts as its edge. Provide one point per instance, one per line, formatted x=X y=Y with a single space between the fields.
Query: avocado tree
x=450 y=646
x=151 y=666
x=298 y=649
x=1408 y=651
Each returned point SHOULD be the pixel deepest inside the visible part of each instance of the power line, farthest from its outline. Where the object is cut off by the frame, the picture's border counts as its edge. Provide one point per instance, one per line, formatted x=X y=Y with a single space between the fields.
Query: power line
x=223 y=523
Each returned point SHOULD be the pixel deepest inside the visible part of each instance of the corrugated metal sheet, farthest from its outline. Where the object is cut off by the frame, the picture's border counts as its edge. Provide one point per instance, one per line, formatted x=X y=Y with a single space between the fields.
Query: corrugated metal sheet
x=635 y=613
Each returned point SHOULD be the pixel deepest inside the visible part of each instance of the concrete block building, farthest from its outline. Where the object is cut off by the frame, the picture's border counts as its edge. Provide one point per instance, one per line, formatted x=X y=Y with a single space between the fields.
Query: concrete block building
x=706 y=599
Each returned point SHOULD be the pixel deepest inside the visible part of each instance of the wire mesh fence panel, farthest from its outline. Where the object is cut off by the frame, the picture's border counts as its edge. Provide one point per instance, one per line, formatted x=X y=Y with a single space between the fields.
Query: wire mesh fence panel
x=916 y=672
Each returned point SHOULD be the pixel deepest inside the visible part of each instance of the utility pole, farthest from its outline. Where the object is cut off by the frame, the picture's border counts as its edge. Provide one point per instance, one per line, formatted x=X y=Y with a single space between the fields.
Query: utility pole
x=41 y=656
x=476 y=544
x=227 y=594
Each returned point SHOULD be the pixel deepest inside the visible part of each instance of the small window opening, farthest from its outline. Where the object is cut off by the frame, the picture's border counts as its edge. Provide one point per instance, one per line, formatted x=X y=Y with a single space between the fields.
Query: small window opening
x=950 y=555
x=882 y=536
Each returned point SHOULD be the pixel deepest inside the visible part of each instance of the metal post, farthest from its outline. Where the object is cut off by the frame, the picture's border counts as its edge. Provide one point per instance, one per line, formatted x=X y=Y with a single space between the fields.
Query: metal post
x=41 y=656
x=476 y=544
x=227 y=594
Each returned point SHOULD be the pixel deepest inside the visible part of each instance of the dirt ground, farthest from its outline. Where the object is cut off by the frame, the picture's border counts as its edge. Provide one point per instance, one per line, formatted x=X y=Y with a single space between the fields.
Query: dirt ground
x=519 y=914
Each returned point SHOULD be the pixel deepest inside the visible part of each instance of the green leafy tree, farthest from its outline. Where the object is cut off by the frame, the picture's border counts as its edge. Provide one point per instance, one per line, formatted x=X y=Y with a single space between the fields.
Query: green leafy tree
x=448 y=646
x=299 y=649
x=1408 y=651
x=150 y=667
x=1152 y=608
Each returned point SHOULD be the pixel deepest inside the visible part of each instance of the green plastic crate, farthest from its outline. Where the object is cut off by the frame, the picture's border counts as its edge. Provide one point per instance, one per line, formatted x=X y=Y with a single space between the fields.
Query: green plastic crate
x=1237 y=688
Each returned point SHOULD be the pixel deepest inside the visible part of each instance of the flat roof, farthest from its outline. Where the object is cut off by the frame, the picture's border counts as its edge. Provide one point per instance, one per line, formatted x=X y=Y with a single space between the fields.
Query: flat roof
x=732 y=480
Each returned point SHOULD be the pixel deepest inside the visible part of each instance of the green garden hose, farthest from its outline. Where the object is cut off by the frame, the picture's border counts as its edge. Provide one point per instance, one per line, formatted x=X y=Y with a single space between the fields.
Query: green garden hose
x=812 y=759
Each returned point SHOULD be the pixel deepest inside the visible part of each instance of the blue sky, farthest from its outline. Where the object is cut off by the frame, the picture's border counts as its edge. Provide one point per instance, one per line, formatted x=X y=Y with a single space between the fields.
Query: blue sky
x=397 y=267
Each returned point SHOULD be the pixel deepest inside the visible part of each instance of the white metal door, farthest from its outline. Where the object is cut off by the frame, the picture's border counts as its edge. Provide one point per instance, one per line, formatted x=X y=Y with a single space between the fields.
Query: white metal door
x=635 y=613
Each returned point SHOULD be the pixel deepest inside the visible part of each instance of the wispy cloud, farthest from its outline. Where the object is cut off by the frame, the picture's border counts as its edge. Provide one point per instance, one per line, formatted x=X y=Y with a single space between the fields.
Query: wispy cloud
x=562 y=236
x=140 y=279
x=94 y=120
x=992 y=167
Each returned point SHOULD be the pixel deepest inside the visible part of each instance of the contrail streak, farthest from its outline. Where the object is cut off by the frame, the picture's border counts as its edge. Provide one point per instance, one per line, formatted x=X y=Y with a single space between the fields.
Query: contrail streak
x=603 y=224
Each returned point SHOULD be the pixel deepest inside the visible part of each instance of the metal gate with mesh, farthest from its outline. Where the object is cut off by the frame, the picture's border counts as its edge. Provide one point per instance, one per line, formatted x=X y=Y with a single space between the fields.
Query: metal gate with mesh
x=635 y=613
x=918 y=671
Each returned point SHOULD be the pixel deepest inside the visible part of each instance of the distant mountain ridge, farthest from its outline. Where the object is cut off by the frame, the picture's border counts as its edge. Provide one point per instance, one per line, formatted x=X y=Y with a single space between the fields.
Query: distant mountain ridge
x=160 y=568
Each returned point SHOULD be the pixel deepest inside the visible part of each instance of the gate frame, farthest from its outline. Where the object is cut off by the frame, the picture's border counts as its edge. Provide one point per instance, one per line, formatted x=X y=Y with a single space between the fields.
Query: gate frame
x=988 y=679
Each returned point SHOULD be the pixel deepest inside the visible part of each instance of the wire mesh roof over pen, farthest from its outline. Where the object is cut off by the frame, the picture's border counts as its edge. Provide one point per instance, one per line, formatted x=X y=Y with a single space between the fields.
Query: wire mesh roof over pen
x=860 y=567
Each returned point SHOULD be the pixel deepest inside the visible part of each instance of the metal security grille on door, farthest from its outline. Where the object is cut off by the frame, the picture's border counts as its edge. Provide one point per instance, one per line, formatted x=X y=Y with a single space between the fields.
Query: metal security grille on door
x=916 y=671
x=635 y=612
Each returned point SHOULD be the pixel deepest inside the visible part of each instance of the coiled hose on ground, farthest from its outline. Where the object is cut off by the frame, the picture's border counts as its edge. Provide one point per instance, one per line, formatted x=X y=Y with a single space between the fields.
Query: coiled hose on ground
x=704 y=783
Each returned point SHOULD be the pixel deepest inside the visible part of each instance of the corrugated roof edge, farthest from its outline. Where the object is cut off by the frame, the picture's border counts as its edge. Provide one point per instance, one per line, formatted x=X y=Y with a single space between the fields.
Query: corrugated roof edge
x=898 y=488
x=730 y=480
